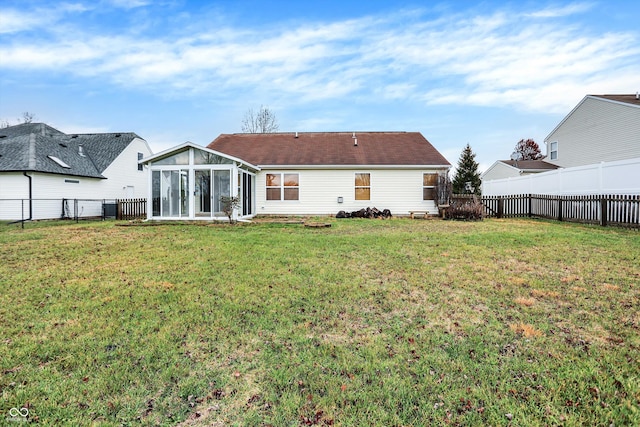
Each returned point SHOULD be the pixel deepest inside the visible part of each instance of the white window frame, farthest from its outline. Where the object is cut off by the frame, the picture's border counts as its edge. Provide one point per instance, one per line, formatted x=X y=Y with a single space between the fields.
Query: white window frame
x=282 y=187
x=429 y=186
x=553 y=154
x=356 y=187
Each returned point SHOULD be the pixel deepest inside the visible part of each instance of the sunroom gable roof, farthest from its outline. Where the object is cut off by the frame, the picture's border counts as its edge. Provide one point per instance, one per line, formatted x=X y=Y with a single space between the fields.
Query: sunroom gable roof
x=189 y=144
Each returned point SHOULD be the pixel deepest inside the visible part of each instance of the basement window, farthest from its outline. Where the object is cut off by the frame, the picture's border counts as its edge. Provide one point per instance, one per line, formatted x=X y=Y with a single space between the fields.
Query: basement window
x=59 y=162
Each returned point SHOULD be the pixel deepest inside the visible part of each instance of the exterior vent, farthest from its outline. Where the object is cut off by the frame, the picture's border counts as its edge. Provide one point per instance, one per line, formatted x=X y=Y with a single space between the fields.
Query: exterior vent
x=81 y=150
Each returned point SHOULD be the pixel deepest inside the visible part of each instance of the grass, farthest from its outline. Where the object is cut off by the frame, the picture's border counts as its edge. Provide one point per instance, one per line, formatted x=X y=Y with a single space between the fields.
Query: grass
x=391 y=323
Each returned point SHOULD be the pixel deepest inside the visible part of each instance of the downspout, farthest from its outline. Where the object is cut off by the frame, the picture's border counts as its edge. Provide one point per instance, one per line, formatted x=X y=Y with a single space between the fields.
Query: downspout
x=32 y=166
x=30 y=196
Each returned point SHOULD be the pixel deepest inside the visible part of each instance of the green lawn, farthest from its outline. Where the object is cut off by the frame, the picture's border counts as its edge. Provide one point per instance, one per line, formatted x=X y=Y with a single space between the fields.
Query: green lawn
x=369 y=322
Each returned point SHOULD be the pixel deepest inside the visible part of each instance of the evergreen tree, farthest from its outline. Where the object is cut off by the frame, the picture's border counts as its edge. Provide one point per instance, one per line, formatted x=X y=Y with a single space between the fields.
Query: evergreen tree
x=467 y=177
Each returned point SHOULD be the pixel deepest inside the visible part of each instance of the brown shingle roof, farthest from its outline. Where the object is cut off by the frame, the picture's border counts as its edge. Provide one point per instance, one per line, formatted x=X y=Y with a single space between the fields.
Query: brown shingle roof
x=530 y=164
x=330 y=148
x=628 y=99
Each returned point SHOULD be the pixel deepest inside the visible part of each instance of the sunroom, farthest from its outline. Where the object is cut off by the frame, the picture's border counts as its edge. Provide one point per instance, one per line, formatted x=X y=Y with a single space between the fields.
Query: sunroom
x=189 y=182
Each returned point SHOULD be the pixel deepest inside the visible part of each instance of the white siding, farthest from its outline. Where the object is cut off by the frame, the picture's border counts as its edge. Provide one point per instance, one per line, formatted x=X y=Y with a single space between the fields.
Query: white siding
x=597 y=130
x=400 y=191
x=123 y=173
x=498 y=171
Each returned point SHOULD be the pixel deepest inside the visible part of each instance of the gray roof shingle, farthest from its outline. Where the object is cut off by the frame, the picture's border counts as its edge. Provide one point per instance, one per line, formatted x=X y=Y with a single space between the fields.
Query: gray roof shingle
x=27 y=147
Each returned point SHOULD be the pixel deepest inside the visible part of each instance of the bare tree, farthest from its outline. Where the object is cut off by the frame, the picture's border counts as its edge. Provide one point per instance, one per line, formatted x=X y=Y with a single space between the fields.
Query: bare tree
x=27 y=117
x=263 y=121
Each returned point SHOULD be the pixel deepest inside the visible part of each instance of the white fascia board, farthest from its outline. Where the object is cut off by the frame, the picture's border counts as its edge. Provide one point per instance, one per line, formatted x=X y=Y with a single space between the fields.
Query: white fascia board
x=189 y=144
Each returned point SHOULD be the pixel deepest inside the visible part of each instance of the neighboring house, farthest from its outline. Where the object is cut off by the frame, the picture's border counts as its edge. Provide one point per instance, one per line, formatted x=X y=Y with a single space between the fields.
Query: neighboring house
x=513 y=168
x=39 y=163
x=310 y=173
x=601 y=128
x=595 y=148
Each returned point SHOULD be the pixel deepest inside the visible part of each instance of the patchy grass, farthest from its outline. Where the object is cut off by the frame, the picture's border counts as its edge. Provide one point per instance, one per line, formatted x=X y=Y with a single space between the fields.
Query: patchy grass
x=393 y=322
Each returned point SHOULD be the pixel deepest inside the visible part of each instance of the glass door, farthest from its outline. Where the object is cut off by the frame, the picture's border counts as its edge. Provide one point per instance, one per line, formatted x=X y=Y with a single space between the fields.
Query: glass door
x=203 y=193
x=174 y=191
x=221 y=187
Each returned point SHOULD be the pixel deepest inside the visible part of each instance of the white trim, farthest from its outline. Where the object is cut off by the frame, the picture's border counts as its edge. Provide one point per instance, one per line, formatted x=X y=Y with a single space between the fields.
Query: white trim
x=189 y=144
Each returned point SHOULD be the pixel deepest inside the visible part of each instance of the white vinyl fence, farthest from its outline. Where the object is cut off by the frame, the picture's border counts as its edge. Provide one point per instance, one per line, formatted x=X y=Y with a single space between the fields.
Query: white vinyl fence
x=619 y=177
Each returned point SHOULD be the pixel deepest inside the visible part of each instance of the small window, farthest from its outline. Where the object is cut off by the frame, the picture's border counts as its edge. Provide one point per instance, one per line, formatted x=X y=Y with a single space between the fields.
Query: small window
x=363 y=186
x=140 y=156
x=429 y=182
x=72 y=181
x=553 y=150
x=283 y=186
x=59 y=162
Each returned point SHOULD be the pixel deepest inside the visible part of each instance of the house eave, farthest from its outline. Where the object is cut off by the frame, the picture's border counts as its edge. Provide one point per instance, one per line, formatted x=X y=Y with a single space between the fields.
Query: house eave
x=352 y=167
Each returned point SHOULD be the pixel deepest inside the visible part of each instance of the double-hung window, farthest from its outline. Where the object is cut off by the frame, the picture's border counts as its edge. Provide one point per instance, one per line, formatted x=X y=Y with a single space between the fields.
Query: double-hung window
x=283 y=186
x=429 y=182
x=363 y=186
x=553 y=150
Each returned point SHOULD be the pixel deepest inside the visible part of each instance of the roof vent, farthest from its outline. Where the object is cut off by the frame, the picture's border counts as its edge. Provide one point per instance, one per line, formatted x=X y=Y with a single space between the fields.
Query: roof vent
x=296 y=134
x=81 y=150
x=637 y=95
x=355 y=142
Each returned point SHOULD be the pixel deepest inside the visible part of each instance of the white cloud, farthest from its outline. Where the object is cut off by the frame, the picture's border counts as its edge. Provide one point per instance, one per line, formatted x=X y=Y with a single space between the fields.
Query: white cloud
x=555 y=12
x=527 y=61
x=12 y=21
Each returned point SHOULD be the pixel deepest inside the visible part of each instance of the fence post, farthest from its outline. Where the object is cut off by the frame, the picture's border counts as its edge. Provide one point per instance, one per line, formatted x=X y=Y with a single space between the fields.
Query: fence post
x=603 y=211
x=500 y=207
x=530 y=203
x=22 y=213
x=559 y=208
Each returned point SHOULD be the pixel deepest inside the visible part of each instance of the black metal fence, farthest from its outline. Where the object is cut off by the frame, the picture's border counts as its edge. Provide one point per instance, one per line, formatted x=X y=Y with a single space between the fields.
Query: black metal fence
x=21 y=210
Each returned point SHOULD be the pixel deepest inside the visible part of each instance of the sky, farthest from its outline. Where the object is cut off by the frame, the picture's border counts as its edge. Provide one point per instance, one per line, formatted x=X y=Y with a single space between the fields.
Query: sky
x=483 y=73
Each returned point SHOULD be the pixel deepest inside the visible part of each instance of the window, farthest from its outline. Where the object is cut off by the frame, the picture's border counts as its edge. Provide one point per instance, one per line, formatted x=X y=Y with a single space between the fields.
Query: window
x=283 y=186
x=140 y=155
x=59 y=162
x=363 y=186
x=553 y=150
x=429 y=182
x=181 y=158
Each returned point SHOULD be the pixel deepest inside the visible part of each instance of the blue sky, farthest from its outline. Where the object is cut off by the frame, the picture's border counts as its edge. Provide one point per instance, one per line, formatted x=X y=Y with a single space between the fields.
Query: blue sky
x=484 y=73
